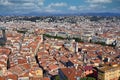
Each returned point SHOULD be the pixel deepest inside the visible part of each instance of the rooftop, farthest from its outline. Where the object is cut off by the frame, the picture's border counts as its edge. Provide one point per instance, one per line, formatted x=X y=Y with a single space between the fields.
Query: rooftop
x=111 y=67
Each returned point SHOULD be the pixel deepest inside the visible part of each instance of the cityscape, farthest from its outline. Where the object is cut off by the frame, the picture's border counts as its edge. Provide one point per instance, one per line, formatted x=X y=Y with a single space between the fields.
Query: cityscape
x=59 y=40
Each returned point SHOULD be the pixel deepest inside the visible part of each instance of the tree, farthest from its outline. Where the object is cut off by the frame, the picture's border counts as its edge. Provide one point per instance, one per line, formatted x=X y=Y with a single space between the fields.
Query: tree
x=57 y=78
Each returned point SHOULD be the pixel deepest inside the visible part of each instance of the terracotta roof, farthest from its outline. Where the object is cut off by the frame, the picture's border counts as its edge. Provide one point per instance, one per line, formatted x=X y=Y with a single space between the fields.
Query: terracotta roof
x=3 y=63
x=26 y=66
x=26 y=74
x=12 y=76
x=46 y=78
x=87 y=67
x=22 y=61
x=35 y=78
x=53 y=67
x=4 y=51
x=2 y=77
x=72 y=73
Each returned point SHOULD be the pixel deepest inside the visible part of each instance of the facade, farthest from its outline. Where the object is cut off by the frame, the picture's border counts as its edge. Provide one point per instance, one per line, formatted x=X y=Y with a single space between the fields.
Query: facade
x=118 y=42
x=75 y=73
x=98 y=39
x=110 y=41
x=62 y=34
x=109 y=72
x=3 y=39
x=51 y=33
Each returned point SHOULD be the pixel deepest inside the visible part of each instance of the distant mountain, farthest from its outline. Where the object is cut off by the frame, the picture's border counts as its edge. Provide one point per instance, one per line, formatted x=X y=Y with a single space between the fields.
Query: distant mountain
x=72 y=14
x=100 y=14
x=47 y=14
x=64 y=14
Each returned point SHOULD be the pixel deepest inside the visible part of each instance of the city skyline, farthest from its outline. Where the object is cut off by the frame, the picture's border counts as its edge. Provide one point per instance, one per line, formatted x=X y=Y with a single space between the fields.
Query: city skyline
x=22 y=7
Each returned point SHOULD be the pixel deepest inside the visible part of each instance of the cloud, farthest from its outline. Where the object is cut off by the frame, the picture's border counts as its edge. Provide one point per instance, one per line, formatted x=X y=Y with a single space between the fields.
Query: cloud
x=39 y=2
x=54 y=7
x=21 y=6
x=93 y=5
x=29 y=6
x=52 y=10
x=57 y=5
x=5 y=2
x=89 y=7
x=22 y=3
x=73 y=8
x=96 y=7
x=99 y=1
x=117 y=9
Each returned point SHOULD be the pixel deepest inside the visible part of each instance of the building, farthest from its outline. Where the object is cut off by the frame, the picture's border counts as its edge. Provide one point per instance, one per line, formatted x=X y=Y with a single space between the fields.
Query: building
x=70 y=74
x=75 y=73
x=62 y=34
x=3 y=39
x=109 y=72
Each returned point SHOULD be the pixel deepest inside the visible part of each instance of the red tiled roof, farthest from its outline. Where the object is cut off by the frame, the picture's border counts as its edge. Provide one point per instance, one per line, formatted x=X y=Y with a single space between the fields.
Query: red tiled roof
x=4 y=51
x=72 y=73
x=46 y=78
x=12 y=76
x=22 y=61
x=2 y=77
x=87 y=67
x=53 y=67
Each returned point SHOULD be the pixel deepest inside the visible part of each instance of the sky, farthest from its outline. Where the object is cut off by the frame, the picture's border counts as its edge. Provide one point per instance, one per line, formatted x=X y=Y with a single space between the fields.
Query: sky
x=19 y=7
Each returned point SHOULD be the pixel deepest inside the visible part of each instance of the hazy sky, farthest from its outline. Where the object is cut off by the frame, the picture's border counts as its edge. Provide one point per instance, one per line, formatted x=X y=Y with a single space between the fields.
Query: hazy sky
x=58 y=6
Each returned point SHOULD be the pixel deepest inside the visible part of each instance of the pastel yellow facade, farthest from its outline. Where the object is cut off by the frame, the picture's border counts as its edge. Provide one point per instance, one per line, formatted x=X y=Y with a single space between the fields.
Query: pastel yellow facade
x=39 y=73
x=109 y=73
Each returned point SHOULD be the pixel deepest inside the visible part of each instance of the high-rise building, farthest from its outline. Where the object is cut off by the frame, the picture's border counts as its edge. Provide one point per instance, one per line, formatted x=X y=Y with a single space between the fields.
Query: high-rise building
x=3 y=39
x=85 y=57
x=76 y=47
